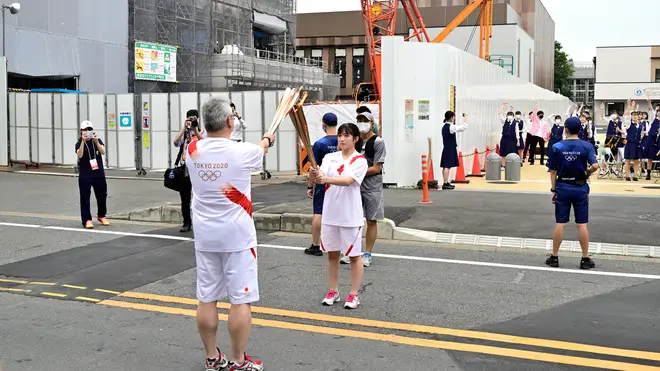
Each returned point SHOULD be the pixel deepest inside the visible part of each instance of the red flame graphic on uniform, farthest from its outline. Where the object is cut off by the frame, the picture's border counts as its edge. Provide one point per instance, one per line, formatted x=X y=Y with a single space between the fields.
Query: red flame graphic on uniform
x=237 y=197
x=192 y=150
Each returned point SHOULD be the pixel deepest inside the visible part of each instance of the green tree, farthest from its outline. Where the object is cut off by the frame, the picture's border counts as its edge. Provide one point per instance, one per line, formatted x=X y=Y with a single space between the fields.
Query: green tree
x=563 y=70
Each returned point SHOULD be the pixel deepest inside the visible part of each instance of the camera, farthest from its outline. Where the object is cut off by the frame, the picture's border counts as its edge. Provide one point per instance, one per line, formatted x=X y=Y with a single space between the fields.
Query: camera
x=194 y=123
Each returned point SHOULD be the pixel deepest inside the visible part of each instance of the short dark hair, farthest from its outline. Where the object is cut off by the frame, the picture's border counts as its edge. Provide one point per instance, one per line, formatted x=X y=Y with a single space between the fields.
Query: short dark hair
x=192 y=112
x=362 y=109
x=575 y=130
x=352 y=130
x=449 y=115
x=539 y=113
x=232 y=105
x=518 y=113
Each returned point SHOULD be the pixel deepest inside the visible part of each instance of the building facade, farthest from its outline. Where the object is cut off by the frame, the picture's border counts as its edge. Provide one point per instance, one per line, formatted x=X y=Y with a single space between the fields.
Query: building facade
x=220 y=45
x=626 y=72
x=522 y=42
x=69 y=44
x=582 y=83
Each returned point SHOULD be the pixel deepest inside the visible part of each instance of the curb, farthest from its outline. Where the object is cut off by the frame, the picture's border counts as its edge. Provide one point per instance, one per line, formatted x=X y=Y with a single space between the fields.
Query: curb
x=387 y=230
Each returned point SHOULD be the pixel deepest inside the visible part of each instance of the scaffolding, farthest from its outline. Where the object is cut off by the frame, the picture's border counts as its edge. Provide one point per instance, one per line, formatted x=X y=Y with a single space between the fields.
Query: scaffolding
x=201 y=29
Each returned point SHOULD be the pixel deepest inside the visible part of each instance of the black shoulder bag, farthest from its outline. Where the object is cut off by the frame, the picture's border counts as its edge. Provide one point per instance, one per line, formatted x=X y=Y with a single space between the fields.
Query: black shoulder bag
x=174 y=177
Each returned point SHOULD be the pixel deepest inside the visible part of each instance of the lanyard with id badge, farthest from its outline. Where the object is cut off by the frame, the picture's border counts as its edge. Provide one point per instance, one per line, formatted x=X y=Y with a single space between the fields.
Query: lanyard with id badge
x=92 y=161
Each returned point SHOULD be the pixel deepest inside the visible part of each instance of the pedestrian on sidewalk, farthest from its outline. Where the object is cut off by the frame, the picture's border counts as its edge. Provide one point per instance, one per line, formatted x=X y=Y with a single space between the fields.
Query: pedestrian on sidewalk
x=190 y=132
x=91 y=174
x=225 y=236
x=342 y=173
x=371 y=190
x=571 y=162
x=321 y=148
x=449 y=158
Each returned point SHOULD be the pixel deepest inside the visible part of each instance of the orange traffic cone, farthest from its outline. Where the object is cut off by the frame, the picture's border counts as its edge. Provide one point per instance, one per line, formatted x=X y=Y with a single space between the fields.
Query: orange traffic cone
x=431 y=174
x=476 y=166
x=485 y=157
x=460 y=172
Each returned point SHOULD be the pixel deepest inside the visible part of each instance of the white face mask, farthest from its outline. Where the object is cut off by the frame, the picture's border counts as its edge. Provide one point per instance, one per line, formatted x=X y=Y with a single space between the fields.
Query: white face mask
x=509 y=118
x=614 y=116
x=364 y=127
x=557 y=122
x=517 y=117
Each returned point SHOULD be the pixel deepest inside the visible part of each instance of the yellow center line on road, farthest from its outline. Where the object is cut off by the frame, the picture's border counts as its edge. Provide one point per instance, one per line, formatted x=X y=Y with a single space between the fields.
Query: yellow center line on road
x=41 y=283
x=13 y=290
x=53 y=294
x=437 y=344
x=75 y=287
x=502 y=338
x=12 y=281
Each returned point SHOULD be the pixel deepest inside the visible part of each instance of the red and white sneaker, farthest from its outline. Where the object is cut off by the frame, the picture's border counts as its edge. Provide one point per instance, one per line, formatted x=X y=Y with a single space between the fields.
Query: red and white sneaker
x=331 y=297
x=352 y=301
x=216 y=364
x=249 y=364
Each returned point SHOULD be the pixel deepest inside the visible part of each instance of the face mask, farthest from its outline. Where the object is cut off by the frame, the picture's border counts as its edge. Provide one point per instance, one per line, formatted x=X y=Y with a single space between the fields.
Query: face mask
x=540 y=116
x=509 y=118
x=614 y=116
x=364 y=127
x=557 y=122
x=517 y=117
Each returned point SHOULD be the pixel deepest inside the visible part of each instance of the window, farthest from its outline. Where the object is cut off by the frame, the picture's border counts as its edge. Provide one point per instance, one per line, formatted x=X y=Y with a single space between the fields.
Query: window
x=300 y=53
x=358 y=64
x=340 y=66
x=317 y=57
x=657 y=75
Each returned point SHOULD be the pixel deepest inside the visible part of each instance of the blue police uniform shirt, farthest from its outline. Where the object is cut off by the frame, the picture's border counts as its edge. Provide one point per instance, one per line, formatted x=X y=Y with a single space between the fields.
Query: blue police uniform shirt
x=91 y=152
x=322 y=147
x=571 y=158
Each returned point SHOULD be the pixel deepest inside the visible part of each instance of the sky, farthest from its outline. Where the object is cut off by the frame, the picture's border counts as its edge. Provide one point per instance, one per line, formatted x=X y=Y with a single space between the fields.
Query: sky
x=580 y=25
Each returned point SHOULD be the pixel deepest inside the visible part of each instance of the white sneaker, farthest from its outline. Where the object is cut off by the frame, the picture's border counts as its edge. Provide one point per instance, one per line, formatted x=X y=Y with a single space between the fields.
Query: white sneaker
x=367 y=259
x=331 y=297
x=345 y=260
x=352 y=301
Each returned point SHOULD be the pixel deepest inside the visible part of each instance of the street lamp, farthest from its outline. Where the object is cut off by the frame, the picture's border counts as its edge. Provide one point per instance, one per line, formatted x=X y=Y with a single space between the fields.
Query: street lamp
x=13 y=9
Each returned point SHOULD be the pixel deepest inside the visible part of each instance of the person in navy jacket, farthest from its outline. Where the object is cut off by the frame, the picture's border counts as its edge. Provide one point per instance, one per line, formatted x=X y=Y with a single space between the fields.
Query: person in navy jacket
x=632 y=151
x=509 y=141
x=650 y=143
x=449 y=157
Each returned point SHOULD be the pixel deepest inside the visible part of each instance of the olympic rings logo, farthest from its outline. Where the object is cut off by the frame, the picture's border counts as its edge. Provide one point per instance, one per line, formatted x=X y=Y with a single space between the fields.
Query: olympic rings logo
x=570 y=158
x=209 y=176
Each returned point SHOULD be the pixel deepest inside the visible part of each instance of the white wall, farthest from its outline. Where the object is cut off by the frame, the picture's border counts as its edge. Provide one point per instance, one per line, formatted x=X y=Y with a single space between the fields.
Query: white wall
x=623 y=65
x=425 y=71
x=4 y=122
x=44 y=127
x=504 y=42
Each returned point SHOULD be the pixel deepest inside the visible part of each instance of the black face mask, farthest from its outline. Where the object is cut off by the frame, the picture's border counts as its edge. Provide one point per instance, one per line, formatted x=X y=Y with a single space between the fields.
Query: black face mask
x=540 y=116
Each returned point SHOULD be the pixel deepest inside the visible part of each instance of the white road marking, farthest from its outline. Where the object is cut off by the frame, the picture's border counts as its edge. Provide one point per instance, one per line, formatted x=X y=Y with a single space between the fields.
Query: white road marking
x=387 y=256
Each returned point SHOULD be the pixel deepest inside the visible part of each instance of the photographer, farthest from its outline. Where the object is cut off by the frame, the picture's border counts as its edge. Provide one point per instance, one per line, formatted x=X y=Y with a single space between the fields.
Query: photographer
x=90 y=150
x=237 y=131
x=191 y=131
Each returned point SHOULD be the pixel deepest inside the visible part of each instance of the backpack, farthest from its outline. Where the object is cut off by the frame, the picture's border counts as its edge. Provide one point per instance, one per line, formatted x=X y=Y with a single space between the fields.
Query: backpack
x=370 y=152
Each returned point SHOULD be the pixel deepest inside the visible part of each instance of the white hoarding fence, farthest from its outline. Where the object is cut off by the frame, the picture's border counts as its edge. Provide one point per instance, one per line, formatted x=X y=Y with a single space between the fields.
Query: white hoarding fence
x=138 y=130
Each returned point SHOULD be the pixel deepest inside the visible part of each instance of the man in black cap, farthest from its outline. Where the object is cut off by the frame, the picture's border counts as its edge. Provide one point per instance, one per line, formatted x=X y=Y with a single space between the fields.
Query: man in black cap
x=571 y=162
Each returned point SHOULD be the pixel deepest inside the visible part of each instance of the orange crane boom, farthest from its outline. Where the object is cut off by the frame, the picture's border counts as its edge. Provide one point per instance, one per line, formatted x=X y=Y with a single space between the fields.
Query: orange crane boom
x=379 y=18
x=485 y=26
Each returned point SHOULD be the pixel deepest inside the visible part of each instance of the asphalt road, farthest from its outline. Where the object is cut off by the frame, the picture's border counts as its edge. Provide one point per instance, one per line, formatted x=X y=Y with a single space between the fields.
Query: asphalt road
x=121 y=298
x=630 y=220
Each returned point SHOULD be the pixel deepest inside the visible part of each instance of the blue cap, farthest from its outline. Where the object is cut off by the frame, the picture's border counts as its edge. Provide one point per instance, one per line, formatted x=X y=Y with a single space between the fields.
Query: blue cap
x=330 y=119
x=573 y=124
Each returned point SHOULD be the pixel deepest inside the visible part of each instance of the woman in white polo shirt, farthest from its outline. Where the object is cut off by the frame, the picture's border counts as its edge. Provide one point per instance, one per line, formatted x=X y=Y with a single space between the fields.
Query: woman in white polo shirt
x=342 y=173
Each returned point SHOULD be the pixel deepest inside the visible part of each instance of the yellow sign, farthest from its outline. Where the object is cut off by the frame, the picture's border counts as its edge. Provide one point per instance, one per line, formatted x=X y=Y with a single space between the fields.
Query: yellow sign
x=452 y=98
x=376 y=10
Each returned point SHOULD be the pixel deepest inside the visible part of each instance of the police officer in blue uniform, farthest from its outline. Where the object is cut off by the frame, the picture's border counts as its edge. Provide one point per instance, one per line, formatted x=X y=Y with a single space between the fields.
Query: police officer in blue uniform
x=570 y=163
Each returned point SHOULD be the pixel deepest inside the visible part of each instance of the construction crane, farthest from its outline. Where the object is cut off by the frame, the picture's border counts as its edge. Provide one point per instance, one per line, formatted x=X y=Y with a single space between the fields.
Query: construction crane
x=379 y=18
